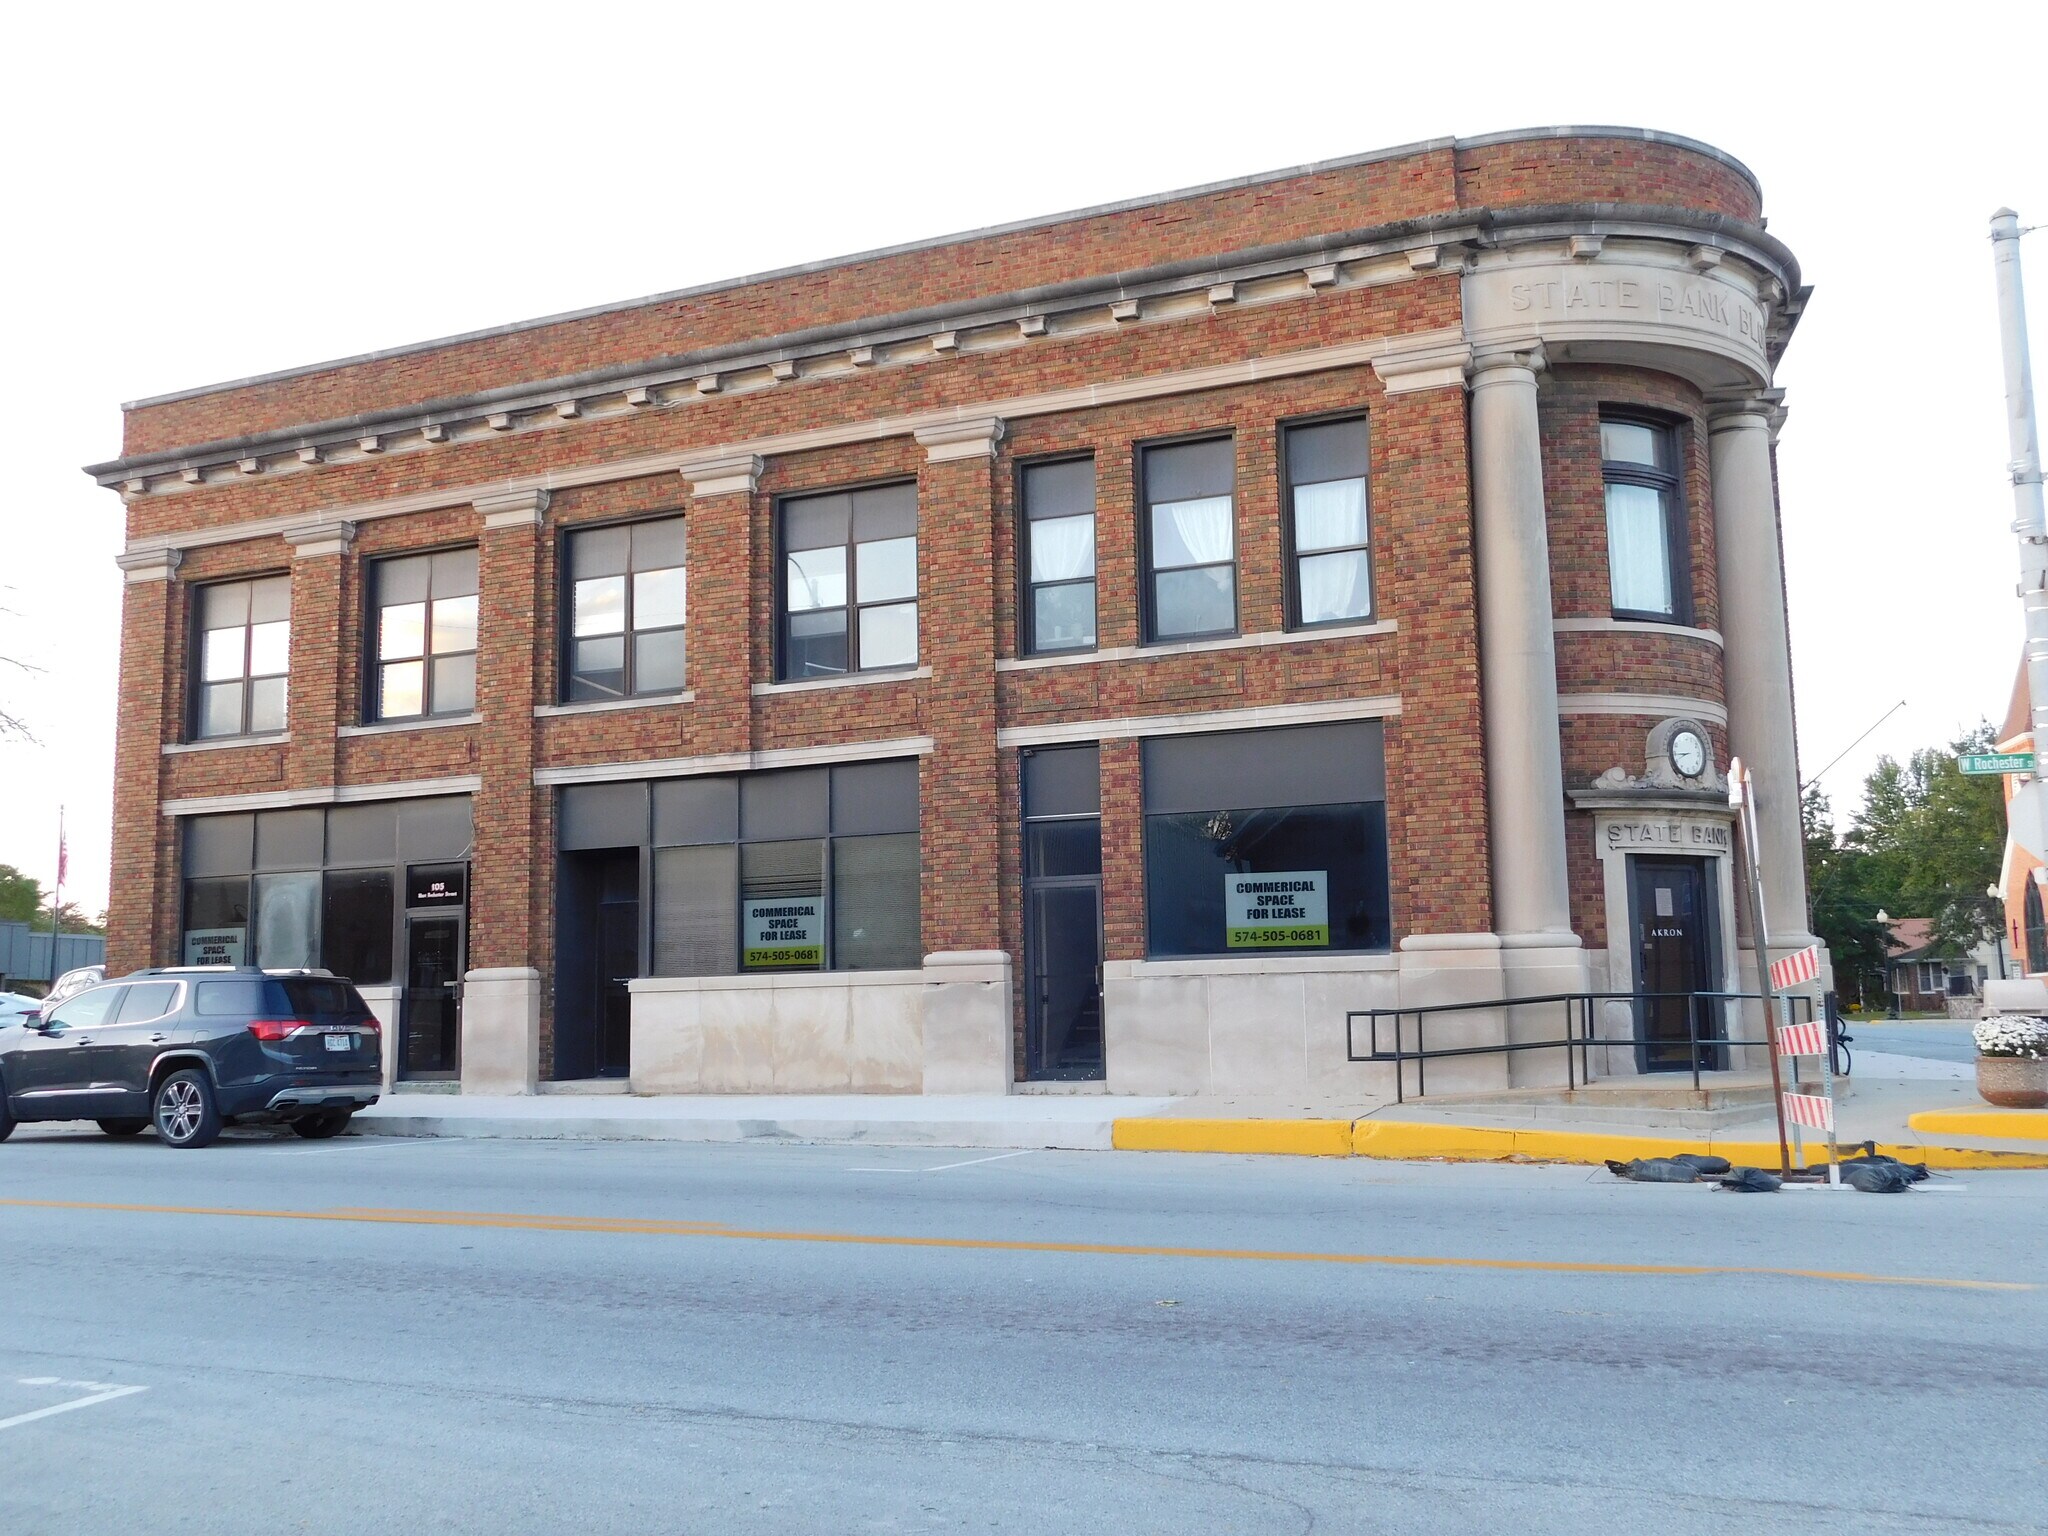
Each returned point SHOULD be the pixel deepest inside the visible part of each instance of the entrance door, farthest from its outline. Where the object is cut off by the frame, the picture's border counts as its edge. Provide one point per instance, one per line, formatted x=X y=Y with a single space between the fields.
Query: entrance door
x=618 y=961
x=1064 y=1034
x=431 y=1015
x=1675 y=944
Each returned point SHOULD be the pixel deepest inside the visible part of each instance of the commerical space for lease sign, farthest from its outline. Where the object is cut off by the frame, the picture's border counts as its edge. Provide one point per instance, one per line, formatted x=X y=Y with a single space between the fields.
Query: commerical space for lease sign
x=1289 y=910
x=214 y=946
x=784 y=934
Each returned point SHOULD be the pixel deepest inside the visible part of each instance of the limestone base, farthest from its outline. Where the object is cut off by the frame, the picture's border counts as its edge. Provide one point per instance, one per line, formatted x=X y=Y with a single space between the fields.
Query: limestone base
x=501 y=1031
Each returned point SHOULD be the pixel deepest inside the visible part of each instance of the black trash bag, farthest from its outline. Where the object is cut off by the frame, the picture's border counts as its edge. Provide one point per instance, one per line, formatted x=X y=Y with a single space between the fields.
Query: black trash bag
x=1870 y=1157
x=1874 y=1178
x=1702 y=1163
x=1752 y=1181
x=1654 y=1170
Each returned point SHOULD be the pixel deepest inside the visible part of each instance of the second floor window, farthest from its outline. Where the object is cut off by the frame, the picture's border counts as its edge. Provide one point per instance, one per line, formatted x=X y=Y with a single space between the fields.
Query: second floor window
x=1639 y=465
x=244 y=643
x=848 y=596
x=1331 y=539
x=423 y=625
x=1190 y=540
x=1059 y=556
x=627 y=601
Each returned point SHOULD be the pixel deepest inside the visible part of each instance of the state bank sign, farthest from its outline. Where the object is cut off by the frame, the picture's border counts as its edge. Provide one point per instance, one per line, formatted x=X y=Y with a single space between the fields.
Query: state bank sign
x=1289 y=910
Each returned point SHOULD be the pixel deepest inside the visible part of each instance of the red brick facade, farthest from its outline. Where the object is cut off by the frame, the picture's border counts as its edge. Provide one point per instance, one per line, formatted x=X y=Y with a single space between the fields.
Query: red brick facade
x=286 y=470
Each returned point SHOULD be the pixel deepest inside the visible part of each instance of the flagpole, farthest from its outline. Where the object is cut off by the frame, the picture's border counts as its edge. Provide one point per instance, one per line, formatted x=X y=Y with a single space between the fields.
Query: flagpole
x=57 y=897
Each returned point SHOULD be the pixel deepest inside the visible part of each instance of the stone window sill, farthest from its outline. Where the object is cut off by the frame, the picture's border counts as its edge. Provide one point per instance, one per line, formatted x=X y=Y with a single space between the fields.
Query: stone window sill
x=605 y=706
x=391 y=727
x=850 y=680
x=225 y=743
x=1196 y=647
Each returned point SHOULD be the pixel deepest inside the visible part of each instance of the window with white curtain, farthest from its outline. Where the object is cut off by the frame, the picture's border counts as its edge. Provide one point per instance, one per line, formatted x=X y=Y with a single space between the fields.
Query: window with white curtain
x=1638 y=463
x=1329 y=530
x=1059 y=556
x=1190 y=532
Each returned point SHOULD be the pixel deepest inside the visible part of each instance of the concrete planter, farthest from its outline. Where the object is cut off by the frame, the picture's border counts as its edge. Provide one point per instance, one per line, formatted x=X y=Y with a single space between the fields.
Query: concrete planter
x=2013 y=1082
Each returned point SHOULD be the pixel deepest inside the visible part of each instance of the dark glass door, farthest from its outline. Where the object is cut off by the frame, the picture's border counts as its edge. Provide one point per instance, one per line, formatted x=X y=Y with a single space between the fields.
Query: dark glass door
x=1675 y=938
x=618 y=962
x=432 y=1017
x=1064 y=1034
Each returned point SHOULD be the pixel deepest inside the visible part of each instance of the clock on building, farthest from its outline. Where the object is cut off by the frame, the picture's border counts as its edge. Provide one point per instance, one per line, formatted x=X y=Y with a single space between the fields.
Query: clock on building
x=1688 y=753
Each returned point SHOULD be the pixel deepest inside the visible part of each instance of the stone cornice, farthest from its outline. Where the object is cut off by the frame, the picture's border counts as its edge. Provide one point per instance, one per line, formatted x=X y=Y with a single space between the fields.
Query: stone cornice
x=972 y=439
x=1407 y=250
x=138 y=565
x=333 y=537
x=724 y=475
x=523 y=508
x=1428 y=361
x=1250 y=370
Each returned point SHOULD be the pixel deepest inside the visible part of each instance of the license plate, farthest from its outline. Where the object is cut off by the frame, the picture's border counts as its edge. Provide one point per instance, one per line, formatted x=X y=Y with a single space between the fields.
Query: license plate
x=341 y=1042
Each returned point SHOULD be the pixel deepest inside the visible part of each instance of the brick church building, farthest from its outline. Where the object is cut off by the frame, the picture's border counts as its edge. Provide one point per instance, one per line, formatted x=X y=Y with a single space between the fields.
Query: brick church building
x=1102 y=649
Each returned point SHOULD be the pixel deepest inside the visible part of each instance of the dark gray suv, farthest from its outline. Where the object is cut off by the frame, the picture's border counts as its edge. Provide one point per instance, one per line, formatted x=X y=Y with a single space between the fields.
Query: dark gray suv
x=192 y=1049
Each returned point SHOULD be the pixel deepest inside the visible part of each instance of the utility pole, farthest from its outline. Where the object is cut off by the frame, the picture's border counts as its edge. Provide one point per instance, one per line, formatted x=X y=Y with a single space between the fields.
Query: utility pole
x=2028 y=523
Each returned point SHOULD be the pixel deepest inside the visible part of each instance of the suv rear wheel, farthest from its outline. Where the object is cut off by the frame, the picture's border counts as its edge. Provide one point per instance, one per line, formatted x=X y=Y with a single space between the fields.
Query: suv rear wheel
x=125 y=1126
x=321 y=1126
x=186 y=1115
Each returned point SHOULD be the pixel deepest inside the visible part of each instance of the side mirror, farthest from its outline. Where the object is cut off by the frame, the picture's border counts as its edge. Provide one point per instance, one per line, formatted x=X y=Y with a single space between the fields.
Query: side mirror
x=33 y=1019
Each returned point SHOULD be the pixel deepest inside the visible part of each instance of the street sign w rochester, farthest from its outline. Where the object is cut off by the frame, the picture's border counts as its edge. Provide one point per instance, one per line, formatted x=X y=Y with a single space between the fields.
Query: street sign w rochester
x=784 y=934
x=1288 y=910
x=1997 y=762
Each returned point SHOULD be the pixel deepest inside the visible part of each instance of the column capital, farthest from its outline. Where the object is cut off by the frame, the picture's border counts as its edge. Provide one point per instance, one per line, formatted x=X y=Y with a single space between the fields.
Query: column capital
x=724 y=475
x=333 y=536
x=1730 y=410
x=972 y=439
x=1428 y=361
x=512 y=509
x=1499 y=364
x=149 y=564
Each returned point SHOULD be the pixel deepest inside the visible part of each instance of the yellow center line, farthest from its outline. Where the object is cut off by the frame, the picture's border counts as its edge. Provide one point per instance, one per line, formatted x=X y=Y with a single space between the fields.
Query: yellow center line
x=648 y=1227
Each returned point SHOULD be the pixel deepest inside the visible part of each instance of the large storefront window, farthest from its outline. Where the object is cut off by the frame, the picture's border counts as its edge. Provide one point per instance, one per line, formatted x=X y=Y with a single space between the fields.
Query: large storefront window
x=809 y=869
x=1261 y=842
x=314 y=887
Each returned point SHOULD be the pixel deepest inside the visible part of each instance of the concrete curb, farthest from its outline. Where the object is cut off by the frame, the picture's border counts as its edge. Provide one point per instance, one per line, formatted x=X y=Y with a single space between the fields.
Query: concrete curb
x=2017 y=1124
x=1419 y=1140
x=1077 y=1136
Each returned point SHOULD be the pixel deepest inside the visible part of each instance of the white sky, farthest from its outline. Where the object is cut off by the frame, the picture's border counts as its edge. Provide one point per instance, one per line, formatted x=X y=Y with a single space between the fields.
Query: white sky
x=198 y=193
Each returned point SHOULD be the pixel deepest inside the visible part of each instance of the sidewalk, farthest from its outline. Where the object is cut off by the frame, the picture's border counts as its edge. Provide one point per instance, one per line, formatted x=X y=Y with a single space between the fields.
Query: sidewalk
x=1915 y=1109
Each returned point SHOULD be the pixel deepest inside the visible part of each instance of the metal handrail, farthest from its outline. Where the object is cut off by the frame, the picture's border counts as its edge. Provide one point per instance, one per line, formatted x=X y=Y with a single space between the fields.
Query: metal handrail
x=1579 y=1010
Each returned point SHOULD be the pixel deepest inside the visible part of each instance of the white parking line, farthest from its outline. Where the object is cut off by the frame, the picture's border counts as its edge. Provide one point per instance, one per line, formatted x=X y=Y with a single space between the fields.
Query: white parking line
x=943 y=1167
x=97 y=1392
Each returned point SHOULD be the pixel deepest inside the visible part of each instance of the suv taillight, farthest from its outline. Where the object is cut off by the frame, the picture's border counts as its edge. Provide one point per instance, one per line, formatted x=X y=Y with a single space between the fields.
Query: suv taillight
x=276 y=1029
x=370 y=1026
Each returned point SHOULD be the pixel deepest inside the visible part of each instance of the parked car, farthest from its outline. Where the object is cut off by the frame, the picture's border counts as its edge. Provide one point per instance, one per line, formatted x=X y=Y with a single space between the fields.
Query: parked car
x=14 y=1004
x=193 y=1048
x=75 y=981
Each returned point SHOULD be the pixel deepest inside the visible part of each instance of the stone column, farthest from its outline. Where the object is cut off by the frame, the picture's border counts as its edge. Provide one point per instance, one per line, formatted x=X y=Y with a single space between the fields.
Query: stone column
x=1757 y=650
x=145 y=872
x=720 y=523
x=501 y=990
x=313 y=705
x=1517 y=657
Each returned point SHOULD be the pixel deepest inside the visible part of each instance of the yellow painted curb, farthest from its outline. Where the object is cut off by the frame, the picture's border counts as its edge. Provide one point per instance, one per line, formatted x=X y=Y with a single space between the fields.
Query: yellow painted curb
x=2019 y=1124
x=1416 y=1140
x=1292 y=1138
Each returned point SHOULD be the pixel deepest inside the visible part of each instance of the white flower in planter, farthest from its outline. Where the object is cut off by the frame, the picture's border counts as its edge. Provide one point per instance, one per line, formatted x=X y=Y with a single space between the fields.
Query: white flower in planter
x=2012 y=1034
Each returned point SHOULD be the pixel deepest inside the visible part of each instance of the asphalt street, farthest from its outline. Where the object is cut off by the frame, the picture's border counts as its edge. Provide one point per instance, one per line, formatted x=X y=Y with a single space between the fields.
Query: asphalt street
x=1935 y=1039
x=434 y=1336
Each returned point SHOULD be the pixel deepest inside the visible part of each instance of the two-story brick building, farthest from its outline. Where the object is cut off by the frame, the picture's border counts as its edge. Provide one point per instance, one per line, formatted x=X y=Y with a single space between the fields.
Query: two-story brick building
x=1109 y=646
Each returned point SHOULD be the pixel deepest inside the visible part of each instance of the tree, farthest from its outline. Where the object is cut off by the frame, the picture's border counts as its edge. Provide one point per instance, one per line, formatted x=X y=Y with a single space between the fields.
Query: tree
x=21 y=896
x=1844 y=909
x=1934 y=837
